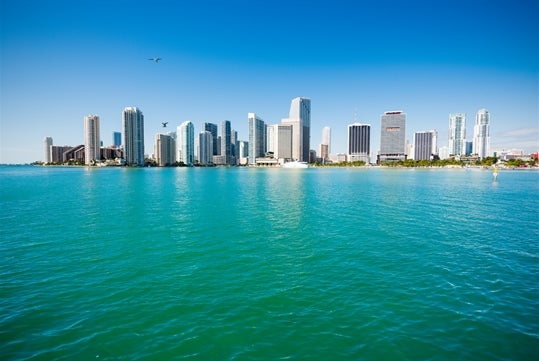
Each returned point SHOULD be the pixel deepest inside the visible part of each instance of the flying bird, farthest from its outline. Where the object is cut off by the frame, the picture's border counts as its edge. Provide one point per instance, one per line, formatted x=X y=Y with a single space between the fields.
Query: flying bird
x=164 y=124
x=155 y=59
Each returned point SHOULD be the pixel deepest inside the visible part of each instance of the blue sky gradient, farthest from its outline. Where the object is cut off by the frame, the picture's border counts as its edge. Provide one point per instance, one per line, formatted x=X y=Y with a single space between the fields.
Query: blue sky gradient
x=62 y=60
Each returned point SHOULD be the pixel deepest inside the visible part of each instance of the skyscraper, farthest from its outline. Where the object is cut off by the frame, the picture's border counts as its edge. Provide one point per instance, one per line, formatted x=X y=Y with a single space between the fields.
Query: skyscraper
x=226 y=142
x=481 y=134
x=116 y=139
x=257 y=137
x=282 y=146
x=393 y=135
x=425 y=145
x=92 y=141
x=205 y=145
x=133 y=136
x=359 y=142
x=165 y=149
x=185 y=143
x=457 y=134
x=212 y=128
x=325 y=146
x=47 y=144
x=300 y=120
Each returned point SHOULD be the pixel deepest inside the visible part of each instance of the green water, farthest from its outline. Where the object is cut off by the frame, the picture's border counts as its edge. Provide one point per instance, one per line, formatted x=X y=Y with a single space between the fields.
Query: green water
x=268 y=264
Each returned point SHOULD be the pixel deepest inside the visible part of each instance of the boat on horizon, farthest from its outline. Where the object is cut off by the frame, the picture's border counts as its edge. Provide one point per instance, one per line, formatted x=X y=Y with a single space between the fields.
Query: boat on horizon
x=295 y=164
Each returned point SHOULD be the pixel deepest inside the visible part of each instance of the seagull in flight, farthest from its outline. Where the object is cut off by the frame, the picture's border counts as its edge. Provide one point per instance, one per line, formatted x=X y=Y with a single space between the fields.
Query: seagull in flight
x=155 y=59
x=164 y=124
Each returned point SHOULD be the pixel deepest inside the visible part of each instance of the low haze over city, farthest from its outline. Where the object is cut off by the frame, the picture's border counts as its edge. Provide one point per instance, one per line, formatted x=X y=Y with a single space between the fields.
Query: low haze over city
x=211 y=61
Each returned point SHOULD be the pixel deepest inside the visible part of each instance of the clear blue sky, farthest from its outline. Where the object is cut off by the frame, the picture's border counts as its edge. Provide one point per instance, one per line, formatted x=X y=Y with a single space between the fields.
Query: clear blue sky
x=62 y=60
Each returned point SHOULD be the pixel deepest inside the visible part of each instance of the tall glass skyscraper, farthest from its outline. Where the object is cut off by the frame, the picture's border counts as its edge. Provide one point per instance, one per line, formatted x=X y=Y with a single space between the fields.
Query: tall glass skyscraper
x=133 y=136
x=481 y=134
x=116 y=139
x=226 y=142
x=359 y=142
x=300 y=120
x=205 y=148
x=257 y=137
x=92 y=141
x=212 y=128
x=393 y=136
x=165 y=150
x=185 y=143
x=457 y=134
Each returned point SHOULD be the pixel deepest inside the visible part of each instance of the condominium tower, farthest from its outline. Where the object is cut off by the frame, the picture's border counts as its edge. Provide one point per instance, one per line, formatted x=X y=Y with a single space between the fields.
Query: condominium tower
x=257 y=137
x=325 y=146
x=133 y=136
x=481 y=134
x=457 y=134
x=205 y=148
x=92 y=141
x=165 y=149
x=47 y=144
x=185 y=143
x=226 y=142
x=425 y=146
x=359 y=142
x=212 y=128
x=392 y=138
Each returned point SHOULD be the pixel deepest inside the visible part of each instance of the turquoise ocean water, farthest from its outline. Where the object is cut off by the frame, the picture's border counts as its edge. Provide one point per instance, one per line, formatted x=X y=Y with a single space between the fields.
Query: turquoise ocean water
x=268 y=264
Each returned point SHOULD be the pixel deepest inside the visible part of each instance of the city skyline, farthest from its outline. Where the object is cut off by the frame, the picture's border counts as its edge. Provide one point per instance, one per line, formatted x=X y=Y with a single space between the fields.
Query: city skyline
x=222 y=70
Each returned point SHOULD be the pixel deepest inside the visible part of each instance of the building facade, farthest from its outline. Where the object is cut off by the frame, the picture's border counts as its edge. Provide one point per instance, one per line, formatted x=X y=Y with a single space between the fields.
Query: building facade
x=133 y=136
x=47 y=151
x=212 y=128
x=257 y=137
x=300 y=120
x=92 y=139
x=393 y=136
x=226 y=142
x=457 y=134
x=282 y=141
x=116 y=139
x=481 y=134
x=359 y=142
x=425 y=147
x=165 y=150
x=185 y=143
x=325 y=145
x=205 y=148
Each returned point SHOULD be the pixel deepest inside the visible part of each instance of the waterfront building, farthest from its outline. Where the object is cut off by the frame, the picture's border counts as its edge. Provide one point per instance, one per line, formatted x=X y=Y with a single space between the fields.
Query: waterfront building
x=300 y=120
x=165 y=150
x=185 y=143
x=257 y=137
x=47 y=144
x=270 y=138
x=425 y=145
x=392 y=137
x=212 y=128
x=233 y=147
x=282 y=146
x=325 y=145
x=92 y=141
x=244 y=152
x=116 y=139
x=469 y=148
x=481 y=134
x=359 y=142
x=457 y=134
x=133 y=136
x=205 y=148
x=226 y=142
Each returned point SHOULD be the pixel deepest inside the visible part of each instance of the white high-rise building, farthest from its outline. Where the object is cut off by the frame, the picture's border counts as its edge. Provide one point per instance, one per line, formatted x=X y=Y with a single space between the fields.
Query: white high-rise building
x=257 y=137
x=300 y=120
x=47 y=144
x=205 y=146
x=185 y=143
x=325 y=146
x=92 y=140
x=359 y=142
x=457 y=134
x=481 y=134
x=133 y=136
